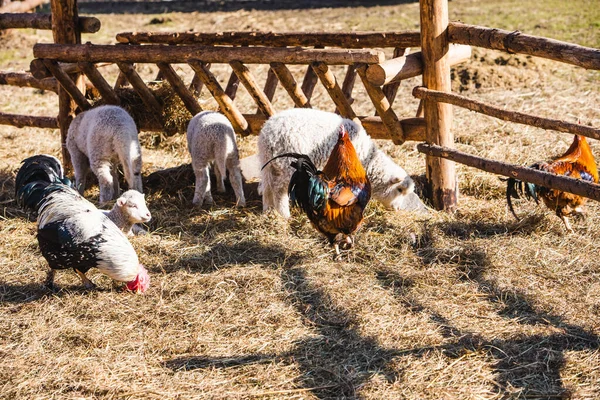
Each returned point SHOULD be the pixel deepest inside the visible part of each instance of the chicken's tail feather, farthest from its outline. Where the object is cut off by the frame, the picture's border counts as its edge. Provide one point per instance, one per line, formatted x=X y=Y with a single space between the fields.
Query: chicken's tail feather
x=516 y=188
x=302 y=162
x=42 y=167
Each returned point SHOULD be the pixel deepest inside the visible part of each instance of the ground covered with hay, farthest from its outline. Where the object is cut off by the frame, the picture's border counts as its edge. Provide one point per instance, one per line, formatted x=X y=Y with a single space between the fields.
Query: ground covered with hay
x=248 y=305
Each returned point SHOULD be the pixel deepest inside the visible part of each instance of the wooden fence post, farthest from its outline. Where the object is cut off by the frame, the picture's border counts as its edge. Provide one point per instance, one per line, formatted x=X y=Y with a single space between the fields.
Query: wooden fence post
x=65 y=29
x=441 y=174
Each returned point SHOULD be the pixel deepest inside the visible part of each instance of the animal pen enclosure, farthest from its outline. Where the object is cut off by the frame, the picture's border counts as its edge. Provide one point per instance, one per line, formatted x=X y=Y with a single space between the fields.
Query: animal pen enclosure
x=61 y=66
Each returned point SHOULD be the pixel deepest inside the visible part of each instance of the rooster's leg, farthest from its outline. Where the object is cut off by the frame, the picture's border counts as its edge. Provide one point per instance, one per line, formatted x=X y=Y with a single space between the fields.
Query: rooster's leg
x=567 y=224
x=86 y=282
x=50 y=279
x=338 y=254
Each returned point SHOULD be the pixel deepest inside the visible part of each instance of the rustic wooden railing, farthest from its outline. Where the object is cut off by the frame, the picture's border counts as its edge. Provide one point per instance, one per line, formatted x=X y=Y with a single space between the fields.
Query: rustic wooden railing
x=200 y=50
x=511 y=42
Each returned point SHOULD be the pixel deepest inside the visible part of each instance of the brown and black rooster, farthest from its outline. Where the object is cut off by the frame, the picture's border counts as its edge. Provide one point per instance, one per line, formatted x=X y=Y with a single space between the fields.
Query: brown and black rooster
x=578 y=162
x=333 y=199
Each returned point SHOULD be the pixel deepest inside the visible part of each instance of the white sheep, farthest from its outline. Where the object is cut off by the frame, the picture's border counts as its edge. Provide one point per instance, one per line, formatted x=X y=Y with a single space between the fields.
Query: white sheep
x=211 y=139
x=99 y=138
x=129 y=209
x=314 y=133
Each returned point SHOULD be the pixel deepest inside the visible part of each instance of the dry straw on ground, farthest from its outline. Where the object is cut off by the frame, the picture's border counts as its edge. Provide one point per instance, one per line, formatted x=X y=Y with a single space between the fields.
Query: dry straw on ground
x=247 y=305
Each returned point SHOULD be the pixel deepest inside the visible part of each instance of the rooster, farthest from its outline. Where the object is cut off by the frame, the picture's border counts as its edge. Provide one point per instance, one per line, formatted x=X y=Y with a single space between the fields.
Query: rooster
x=334 y=199
x=72 y=232
x=578 y=162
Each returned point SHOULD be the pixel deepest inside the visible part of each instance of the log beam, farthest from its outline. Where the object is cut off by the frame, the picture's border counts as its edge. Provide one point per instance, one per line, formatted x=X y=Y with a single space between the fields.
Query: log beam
x=177 y=54
x=290 y=85
x=441 y=174
x=225 y=103
x=391 y=90
x=404 y=67
x=517 y=42
x=546 y=179
x=271 y=84
x=141 y=89
x=44 y=21
x=103 y=87
x=28 y=120
x=67 y=84
x=349 y=40
x=178 y=86
x=328 y=80
x=24 y=79
x=65 y=32
x=512 y=116
x=382 y=105
x=232 y=86
x=243 y=73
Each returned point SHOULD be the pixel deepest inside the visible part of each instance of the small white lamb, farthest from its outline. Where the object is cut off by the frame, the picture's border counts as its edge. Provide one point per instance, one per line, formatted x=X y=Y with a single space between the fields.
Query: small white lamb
x=129 y=209
x=314 y=133
x=211 y=139
x=99 y=138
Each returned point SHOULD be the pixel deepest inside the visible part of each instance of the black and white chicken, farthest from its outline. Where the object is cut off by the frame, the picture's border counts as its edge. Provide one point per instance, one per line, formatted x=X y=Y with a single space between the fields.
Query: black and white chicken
x=72 y=232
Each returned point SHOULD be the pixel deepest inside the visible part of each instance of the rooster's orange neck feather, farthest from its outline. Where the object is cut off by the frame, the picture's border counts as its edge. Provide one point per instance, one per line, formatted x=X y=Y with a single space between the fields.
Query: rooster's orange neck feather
x=343 y=162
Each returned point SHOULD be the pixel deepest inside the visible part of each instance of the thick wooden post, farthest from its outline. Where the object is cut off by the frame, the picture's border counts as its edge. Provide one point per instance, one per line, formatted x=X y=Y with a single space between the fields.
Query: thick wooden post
x=441 y=174
x=65 y=29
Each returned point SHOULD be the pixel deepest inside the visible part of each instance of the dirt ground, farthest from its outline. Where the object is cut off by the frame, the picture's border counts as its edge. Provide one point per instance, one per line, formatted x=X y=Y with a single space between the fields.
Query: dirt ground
x=247 y=305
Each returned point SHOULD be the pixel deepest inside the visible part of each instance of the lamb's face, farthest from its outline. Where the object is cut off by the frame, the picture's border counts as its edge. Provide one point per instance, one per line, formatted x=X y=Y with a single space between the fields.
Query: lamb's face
x=395 y=192
x=133 y=204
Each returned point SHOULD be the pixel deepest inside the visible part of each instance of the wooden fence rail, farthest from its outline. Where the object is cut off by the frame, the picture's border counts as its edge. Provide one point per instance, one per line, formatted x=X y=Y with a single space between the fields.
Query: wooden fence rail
x=571 y=185
x=24 y=79
x=348 y=40
x=516 y=42
x=28 y=120
x=212 y=54
x=44 y=21
x=513 y=116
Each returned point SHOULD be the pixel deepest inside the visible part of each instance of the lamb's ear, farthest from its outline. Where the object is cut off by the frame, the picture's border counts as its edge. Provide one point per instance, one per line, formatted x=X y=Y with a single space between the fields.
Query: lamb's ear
x=121 y=202
x=395 y=180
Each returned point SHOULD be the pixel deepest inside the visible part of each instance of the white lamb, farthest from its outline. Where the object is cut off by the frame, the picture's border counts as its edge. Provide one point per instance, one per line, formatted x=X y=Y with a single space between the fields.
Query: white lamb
x=314 y=133
x=129 y=209
x=211 y=139
x=99 y=138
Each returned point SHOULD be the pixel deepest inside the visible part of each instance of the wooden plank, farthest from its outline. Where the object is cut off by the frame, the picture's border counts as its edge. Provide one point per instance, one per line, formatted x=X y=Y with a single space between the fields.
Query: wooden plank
x=263 y=103
x=441 y=174
x=105 y=90
x=177 y=54
x=347 y=40
x=271 y=84
x=382 y=105
x=225 y=103
x=546 y=179
x=44 y=21
x=141 y=89
x=178 y=86
x=517 y=42
x=400 y=68
x=28 y=120
x=505 y=115
x=289 y=84
x=335 y=92
x=24 y=79
x=65 y=30
x=413 y=128
x=67 y=84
